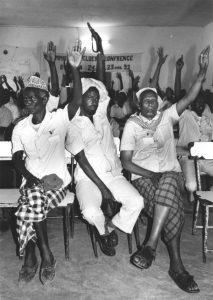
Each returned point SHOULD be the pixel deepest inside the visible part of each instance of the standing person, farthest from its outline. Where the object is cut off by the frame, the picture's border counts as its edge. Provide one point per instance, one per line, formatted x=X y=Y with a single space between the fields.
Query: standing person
x=148 y=152
x=41 y=137
x=90 y=140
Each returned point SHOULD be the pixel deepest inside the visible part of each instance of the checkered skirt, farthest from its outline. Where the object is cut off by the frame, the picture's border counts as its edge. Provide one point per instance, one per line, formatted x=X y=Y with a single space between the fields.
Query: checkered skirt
x=34 y=205
x=163 y=189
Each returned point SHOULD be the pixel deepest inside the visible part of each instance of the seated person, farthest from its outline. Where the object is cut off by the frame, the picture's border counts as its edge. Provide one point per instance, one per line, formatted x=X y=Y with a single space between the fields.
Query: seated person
x=41 y=137
x=148 y=152
x=90 y=131
x=195 y=125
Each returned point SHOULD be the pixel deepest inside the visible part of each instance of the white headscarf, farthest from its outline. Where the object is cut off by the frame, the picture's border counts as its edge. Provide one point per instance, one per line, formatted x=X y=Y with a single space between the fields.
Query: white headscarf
x=104 y=98
x=160 y=101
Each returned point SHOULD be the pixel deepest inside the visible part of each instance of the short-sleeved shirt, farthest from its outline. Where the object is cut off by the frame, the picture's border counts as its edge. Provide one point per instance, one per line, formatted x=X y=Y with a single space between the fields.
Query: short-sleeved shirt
x=44 y=146
x=193 y=128
x=98 y=144
x=154 y=151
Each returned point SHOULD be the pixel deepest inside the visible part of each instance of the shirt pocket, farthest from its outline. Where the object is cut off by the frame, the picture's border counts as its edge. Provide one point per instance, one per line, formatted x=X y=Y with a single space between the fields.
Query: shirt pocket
x=163 y=134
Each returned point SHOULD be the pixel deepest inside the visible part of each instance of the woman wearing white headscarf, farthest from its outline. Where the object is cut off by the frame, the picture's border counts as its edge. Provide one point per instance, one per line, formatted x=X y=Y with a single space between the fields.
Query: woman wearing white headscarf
x=148 y=152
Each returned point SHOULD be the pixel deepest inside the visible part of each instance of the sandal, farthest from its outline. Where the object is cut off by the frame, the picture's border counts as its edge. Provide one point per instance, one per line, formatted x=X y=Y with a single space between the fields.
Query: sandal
x=27 y=273
x=143 y=257
x=47 y=273
x=184 y=281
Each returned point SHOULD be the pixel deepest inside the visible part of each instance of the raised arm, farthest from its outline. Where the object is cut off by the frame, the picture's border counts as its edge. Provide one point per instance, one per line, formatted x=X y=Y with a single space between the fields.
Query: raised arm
x=50 y=56
x=100 y=66
x=179 y=67
x=194 y=90
x=6 y=83
x=161 y=61
x=119 y=76
x=75 y=57
x=21 y=82
x=16 y=83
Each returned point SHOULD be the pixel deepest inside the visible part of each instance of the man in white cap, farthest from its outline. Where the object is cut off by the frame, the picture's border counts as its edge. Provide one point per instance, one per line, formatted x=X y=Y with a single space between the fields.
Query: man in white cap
x=148 y=152
x=40 y=137
x=90 y=140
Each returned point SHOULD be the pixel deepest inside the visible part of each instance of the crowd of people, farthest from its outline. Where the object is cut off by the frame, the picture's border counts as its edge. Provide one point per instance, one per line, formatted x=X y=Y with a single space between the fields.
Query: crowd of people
x=43 y=119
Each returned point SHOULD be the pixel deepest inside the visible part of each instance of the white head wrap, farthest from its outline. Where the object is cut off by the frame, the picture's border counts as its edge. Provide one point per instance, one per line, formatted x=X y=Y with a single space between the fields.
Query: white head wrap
x=160 y=101
x=104 y=98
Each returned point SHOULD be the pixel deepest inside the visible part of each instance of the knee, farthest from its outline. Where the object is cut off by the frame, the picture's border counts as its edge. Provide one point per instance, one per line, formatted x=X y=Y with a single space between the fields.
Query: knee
x=91 y=213
x=191 y=186
x=138 y=202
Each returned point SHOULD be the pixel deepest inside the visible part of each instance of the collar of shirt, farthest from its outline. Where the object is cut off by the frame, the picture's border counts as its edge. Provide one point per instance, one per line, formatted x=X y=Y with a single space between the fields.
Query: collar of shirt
x=145 y=120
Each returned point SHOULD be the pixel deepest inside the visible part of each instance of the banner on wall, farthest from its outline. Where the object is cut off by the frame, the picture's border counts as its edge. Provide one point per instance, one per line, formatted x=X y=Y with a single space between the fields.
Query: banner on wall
x=113 y=62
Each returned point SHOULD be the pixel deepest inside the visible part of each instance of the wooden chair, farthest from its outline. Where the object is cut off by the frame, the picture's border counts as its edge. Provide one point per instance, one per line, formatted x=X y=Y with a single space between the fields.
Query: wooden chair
x=203 y=198
x=9 y=199
x=92 y=229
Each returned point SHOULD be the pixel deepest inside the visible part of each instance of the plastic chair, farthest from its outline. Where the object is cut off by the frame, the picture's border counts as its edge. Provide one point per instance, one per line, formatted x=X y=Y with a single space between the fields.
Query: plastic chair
x=203 y=198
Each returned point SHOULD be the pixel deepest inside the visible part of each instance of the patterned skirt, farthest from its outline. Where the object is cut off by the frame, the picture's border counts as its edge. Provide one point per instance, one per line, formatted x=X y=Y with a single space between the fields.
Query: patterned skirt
x=34 y=205
x=163 y=189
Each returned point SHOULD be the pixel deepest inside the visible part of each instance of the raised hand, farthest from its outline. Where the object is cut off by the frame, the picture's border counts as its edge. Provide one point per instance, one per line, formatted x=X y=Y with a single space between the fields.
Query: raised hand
x=4 y=78
x=180 y=63
x=161 y=56
x=75 y=55
x=15 y=79
x=131 y=74
x=118 y=75
x=37 y=74
x=21 y=81
x=203 y=63
x=108 y=205
x=50 y=54
x=97 y=38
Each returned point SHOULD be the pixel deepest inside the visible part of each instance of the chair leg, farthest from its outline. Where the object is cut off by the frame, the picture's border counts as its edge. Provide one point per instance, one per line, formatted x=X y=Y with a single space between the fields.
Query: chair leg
x=195 y=215
x=129 y=238
x=205 y=231
x=72 y=213
x=93 y=239
x=136 y=232
x=67 y=230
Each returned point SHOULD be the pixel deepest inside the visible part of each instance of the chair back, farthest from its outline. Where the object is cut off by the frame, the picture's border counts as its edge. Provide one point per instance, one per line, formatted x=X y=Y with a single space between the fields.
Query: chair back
x=201 y=151
x=5 y=150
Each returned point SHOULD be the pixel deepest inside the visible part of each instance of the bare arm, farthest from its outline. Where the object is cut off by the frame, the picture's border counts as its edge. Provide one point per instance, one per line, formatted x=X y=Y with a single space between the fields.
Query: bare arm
x=179 y=67
x=161 y=61
x=126 y=160
x=50 y=56
x=107 y=196
x=6 y=83
x=194 y=90
x=19 y=164
x=119 y=76
x=75 y=57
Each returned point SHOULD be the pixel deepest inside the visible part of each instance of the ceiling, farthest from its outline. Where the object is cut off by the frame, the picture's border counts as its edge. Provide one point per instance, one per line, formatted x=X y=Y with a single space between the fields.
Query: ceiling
x=75 y=13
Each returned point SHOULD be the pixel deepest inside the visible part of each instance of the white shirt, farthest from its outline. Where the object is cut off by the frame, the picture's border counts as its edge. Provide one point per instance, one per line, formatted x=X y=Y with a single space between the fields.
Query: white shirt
x=193 y=128
x=44 y=146
x=52 y=103
x=98 y=144
x=153 y=151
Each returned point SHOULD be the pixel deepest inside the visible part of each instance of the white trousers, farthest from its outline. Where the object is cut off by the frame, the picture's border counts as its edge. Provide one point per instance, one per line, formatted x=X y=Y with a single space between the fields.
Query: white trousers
x=90 y=198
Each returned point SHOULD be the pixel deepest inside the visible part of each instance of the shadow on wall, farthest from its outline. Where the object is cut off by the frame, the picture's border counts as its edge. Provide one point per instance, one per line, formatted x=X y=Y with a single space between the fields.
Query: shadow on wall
x=190 y=65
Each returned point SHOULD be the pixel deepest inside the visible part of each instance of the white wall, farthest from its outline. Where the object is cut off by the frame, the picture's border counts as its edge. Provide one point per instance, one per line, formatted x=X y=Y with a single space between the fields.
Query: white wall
x=175 y=40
